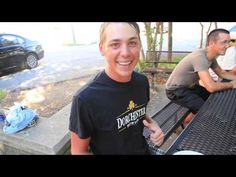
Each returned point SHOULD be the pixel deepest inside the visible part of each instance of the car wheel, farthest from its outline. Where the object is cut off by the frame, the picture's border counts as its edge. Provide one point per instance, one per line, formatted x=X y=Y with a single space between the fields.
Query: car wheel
x=31 y=61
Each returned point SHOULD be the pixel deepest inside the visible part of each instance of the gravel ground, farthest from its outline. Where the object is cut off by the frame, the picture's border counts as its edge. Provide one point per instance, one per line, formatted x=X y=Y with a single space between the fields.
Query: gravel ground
x=158 y=100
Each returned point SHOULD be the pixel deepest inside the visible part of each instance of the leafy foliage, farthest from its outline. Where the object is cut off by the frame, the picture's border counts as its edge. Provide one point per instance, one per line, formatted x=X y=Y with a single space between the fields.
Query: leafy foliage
x=3 y=94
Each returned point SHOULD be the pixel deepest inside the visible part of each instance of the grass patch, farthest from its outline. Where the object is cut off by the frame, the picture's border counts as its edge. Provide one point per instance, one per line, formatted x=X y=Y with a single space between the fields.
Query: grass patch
x=3 y=94
x=171 y=66
x=142 y=65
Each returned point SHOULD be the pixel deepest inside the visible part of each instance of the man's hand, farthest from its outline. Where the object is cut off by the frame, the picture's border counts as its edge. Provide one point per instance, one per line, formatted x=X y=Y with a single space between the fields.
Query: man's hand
x=233 y=83
x=156 y=135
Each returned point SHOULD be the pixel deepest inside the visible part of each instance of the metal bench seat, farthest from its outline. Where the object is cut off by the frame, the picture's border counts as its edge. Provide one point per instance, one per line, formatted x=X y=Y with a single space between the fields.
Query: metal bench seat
x=168 y=118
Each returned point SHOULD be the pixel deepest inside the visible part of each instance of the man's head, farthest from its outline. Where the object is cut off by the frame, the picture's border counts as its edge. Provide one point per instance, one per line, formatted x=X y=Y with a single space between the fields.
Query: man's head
x=214 y=35
x=120 y=45
x=218 y=41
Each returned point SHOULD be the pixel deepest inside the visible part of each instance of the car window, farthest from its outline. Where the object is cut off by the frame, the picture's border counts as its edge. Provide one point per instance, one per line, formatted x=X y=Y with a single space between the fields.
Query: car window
x=1 y=41
x=20 y=40
x=8 y=40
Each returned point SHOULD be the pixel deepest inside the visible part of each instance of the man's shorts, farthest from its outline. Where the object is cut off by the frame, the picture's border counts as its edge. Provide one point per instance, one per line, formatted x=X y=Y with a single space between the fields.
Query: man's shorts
x=192 y=98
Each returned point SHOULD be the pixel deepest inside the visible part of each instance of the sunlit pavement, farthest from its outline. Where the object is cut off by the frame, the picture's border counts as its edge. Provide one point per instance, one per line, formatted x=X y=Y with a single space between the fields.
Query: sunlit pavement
x=60 y=64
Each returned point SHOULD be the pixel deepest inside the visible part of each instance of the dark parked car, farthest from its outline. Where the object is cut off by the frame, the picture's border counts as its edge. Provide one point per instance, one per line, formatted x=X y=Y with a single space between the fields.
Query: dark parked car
x=17 y=52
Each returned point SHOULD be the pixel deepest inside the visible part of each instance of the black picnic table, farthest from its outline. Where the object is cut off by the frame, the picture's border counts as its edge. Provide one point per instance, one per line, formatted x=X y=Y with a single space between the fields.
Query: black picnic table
x=213 y=130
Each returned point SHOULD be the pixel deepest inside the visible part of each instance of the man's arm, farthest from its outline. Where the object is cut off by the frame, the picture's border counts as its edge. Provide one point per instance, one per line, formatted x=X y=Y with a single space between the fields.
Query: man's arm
x=213 y=86
x=79 y=146
x=233 y=70
x=224 y=74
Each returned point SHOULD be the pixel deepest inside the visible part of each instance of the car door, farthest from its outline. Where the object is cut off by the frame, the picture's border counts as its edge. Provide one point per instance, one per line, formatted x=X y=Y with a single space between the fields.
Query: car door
x=11 y=53
x=4 y=64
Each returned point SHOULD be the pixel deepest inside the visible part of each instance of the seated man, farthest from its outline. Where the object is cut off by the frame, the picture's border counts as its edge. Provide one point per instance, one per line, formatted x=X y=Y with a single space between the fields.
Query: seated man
x=183 y=86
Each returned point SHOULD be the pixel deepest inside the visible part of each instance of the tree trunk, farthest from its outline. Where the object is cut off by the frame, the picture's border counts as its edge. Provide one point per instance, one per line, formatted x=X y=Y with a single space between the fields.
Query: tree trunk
x=161 y=40
x=216 y=26
x=207 y=32
x=201 y=40
x=73 y=34
x=151 y=36
x=170 y=26
x=155 y=36
x=142 y=52
x=148 y=31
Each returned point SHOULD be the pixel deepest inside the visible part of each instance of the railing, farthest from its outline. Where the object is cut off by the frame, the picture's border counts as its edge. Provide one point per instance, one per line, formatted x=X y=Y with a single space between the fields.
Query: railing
x=156 y=56
x=160 y=62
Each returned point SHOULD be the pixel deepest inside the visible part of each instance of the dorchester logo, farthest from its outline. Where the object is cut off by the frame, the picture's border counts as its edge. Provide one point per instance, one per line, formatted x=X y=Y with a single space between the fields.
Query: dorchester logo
x=131 y=116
